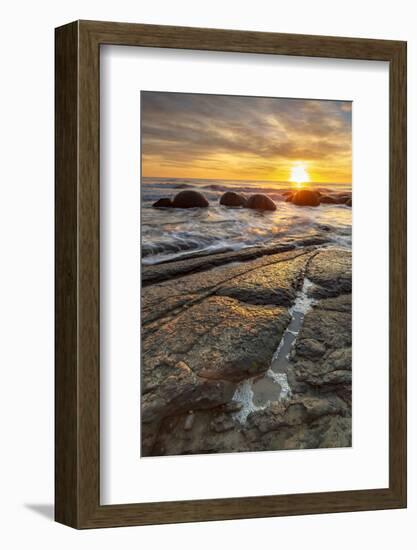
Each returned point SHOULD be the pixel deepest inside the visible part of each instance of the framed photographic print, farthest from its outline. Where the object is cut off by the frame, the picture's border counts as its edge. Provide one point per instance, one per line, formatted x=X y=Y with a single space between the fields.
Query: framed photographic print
x=230 y=274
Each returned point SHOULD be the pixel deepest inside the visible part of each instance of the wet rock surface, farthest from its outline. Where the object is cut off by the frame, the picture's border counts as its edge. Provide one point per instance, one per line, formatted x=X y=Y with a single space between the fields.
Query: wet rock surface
x=331 y=271
x=152 y=274
x=327 y=199
x=162 y=203
x=205 y=333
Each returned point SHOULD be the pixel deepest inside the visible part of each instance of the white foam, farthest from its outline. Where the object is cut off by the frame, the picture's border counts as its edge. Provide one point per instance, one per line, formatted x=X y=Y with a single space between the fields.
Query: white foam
x=303 y=301
x=244 y=395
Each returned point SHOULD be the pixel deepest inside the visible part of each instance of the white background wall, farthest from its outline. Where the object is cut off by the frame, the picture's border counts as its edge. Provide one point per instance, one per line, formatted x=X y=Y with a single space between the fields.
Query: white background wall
x=26 y=274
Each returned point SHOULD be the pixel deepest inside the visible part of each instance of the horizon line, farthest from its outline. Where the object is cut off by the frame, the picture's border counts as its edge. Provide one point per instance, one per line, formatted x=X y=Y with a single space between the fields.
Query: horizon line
x=246 y=179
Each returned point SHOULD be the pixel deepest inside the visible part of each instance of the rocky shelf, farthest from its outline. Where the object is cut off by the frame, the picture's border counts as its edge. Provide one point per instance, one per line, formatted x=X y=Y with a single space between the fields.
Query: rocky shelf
x=212 y=326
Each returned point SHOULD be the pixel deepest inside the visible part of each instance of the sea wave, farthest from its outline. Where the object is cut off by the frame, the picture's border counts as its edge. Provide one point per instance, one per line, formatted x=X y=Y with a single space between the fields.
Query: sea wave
x=168 y=234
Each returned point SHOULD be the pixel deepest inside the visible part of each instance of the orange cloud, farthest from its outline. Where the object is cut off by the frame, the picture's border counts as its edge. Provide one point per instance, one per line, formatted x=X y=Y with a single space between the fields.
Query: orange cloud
x=234 y=137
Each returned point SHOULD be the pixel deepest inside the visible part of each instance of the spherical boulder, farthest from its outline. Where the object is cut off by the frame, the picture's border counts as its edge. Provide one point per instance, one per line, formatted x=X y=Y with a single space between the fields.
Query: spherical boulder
x=306 y=197
x=162 y=203
x=190 y=199
x=260 y=201
x=230 y=198
x=327 y=199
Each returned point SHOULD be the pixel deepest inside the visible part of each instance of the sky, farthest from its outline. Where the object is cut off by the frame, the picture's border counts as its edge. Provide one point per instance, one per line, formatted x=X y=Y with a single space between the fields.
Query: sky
x=235 y=137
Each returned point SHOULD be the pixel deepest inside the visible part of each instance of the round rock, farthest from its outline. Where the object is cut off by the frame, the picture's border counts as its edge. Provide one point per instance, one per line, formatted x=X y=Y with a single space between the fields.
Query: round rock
x=260 y=202
x=306 y=197
x=230 y=198
x=190 y=199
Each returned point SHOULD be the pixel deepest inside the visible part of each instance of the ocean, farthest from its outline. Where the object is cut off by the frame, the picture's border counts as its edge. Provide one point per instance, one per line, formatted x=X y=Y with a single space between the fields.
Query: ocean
x=170 y=233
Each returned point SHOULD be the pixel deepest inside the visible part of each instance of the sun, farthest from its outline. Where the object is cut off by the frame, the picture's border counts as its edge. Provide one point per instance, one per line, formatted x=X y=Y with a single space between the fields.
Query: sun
x=299 y=175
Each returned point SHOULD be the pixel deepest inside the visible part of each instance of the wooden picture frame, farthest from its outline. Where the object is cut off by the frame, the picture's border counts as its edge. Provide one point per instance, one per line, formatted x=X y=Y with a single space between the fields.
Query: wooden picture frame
x=77 y=382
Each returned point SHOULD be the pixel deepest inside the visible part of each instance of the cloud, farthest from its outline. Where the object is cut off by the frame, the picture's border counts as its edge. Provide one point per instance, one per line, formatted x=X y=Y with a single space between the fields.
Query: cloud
x=196 y=129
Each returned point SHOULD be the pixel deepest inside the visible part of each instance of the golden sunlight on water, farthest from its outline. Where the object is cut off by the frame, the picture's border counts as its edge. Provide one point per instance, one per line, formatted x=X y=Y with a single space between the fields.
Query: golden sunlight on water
x=299 y=175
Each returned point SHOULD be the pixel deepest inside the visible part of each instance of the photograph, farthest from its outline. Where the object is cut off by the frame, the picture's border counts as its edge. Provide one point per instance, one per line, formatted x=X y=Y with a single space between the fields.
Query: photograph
x=183 y=192
x=246 y=273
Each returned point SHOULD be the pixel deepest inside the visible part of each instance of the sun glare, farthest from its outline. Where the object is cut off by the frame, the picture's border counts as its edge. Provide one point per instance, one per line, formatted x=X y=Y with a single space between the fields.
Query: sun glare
x=299 y=175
